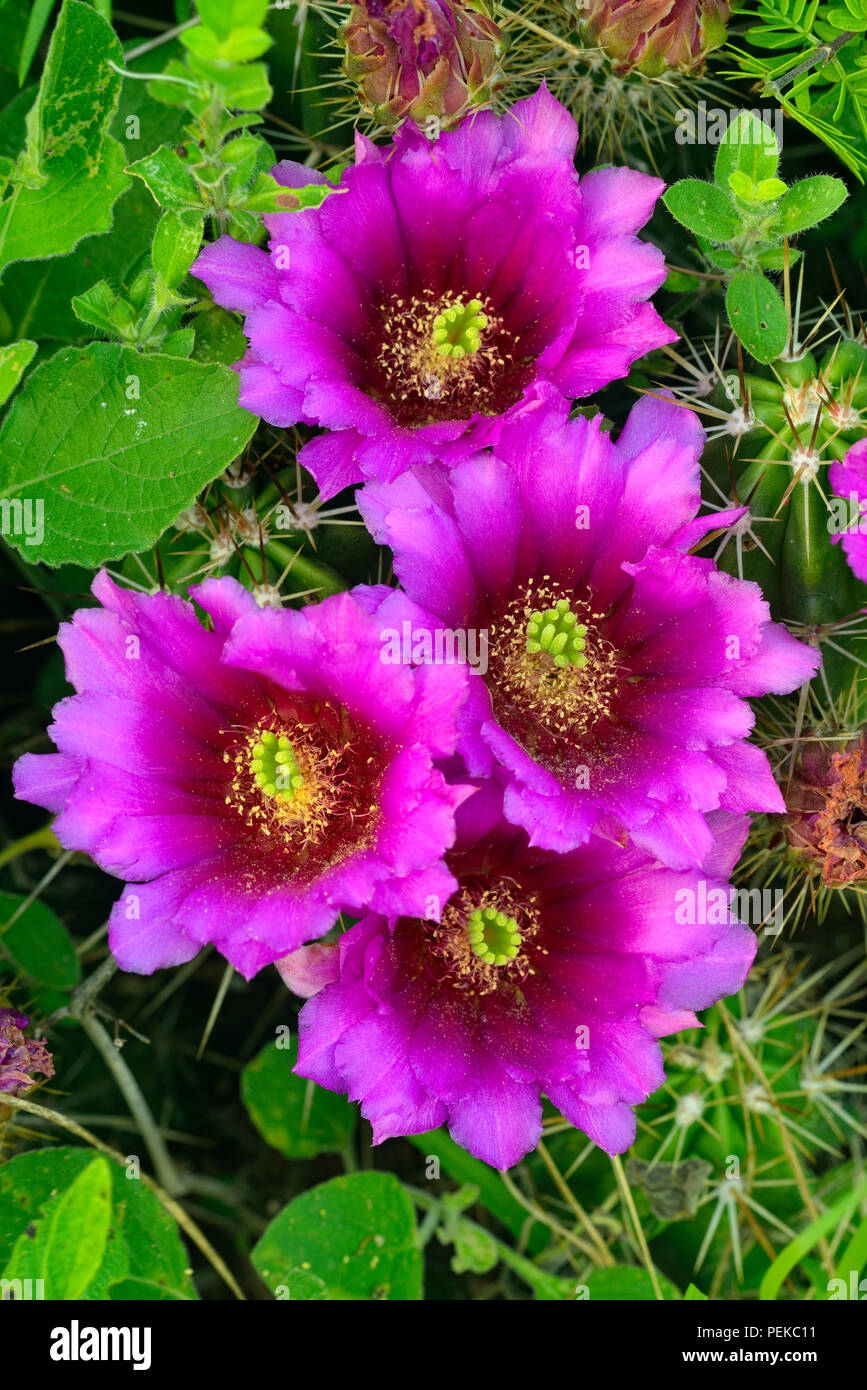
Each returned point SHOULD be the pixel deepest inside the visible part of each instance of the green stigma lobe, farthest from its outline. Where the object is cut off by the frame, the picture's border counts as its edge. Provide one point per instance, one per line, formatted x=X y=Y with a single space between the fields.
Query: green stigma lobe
x=457 y=330
x=493 y=937
x=558 y=632
x=274 y=766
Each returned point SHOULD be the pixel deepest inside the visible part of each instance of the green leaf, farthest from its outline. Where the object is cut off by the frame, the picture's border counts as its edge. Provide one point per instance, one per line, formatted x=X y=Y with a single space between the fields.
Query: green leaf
x=134 y=1290
x=267 y=195
x=679 y=283
x=168 y=179
x=476 y=1250
x=775 y=258
x=180 y=343
x=809 y=202
x=143 y=1240
x=219 y=337
x=749 y=145
x=225 y=15
x=70 y=172
x=79 y=89
x=38 y=943
x=241 y=46
x=694 y=1295
x=769 y=189
x=703 y=208
x=741 y=184
x=357 y=1234
x=628 y=1283
x=843 y=20
x=292 y=1114
x=313 y=195
x=103 y=309
x=757 y=314
x=38 y=296
x=117 y=444
x=246 y=88
x=176 y=244
x=73 y=203
x=66 y=1245
x=15 y=358
x=302 y=1285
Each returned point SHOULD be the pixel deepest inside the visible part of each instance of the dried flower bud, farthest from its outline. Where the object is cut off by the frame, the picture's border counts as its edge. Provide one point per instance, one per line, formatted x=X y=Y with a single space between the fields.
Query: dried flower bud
x=655 y=35
x=20 y=1058
x=826 y=823
x=421 y=58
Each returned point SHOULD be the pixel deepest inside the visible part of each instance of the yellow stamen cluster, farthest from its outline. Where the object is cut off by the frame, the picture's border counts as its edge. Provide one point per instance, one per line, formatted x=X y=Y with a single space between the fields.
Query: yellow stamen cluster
x=441 y=356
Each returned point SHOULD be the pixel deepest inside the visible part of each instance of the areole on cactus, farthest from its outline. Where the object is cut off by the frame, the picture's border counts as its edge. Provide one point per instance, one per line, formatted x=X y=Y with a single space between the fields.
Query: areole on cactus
x=775 y=431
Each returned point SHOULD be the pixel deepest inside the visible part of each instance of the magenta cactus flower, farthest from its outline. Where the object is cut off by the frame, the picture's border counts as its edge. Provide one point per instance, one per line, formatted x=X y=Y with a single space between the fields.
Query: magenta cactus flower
x=849 y=480
x=543 y=973
x=250 y=781
x=431 y=297
x=618 y=664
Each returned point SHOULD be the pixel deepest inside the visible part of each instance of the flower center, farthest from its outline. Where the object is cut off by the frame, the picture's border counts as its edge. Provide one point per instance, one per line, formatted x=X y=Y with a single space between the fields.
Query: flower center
x=484 y=940
x=493 y=936
x=444 y=358
x=457 y=329
x=304 y=781
x=558 y=632
x=275 y=767
x=552 y=675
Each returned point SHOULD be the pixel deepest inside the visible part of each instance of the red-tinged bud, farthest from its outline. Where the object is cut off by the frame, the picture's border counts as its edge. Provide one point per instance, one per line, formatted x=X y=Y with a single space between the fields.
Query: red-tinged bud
x=422 y=58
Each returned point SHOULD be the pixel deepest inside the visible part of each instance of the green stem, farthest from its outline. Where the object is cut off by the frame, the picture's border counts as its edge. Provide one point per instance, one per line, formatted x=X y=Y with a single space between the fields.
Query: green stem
x=37 y=839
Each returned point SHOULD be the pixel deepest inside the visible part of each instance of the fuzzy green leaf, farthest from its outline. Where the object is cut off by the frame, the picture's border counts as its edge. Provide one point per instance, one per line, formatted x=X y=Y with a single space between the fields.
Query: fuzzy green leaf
x=176 y=242
x=168 y=179
x=757 y=314
x=117 y=444
x=143 y=1241
x=703 y=208
x=749 y=145
x=70 y=173
x=809 y=202
x=225 y=15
